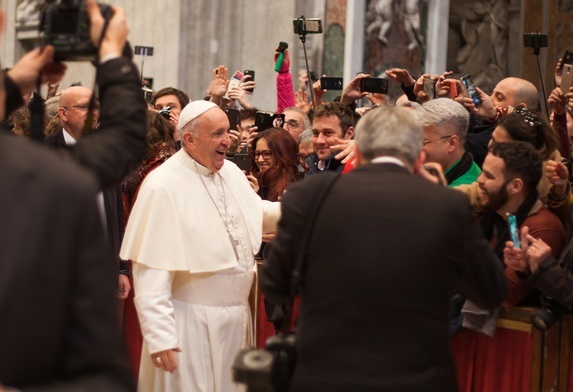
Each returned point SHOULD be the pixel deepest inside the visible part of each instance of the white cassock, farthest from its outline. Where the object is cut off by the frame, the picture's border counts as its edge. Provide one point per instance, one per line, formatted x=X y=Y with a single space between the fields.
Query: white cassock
x=192 y=235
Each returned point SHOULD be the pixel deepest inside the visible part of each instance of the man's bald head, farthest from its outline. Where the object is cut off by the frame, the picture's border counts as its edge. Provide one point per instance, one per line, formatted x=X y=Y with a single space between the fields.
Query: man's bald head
x=73 y=110
x=70 y=95
x=515 y=91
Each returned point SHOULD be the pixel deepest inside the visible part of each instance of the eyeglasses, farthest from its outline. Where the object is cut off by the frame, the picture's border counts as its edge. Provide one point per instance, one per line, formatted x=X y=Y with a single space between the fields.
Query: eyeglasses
x=303 y=157
x=82 y=108
x=266 y=154
x=426 y=142
x=292 y=124
x=528 y=117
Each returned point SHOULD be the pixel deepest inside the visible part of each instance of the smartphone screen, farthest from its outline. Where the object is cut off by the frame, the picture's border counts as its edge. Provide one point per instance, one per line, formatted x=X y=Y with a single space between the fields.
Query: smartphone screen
x=513 y=231
x=472 y=92
x=374 y=85
x=328 y=83
x=430 y=88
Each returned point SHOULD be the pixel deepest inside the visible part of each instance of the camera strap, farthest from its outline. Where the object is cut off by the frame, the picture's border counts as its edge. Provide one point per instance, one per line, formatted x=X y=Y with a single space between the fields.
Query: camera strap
x=316 y=203
x=88 y=125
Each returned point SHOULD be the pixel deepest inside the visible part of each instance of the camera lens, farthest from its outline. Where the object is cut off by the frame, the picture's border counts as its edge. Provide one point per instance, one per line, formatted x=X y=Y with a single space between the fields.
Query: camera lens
x=544 y=317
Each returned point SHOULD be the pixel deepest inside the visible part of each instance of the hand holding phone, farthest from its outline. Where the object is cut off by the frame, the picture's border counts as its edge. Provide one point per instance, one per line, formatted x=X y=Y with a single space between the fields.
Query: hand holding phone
x=243 y=161
x=235 y=81
x=567 y=58
x=329 y=83
x=250 y=73
x=430 y=88
x=566 y=78
x=472 y=92
x=513 y=230
x=233 y=116
x=374 y=85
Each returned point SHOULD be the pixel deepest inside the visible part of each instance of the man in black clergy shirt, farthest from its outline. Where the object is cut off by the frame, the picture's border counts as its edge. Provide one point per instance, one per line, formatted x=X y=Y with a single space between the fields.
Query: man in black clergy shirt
x=375 y=296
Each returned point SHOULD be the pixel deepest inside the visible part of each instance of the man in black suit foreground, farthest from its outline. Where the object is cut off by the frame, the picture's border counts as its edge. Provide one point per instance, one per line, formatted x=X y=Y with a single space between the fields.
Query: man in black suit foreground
x=59 y=328
x=376 y=288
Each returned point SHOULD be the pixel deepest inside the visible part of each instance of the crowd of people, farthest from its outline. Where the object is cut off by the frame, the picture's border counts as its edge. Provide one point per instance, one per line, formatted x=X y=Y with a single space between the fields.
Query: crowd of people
x=168 y=207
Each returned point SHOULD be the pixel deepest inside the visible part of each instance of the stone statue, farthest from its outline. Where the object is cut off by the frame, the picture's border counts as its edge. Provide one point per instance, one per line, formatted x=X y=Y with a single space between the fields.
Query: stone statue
x=401 y=12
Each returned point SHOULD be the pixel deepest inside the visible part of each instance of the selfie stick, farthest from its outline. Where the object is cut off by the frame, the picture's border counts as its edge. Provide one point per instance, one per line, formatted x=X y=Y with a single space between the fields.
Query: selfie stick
x=536 y=51
x=302 y=37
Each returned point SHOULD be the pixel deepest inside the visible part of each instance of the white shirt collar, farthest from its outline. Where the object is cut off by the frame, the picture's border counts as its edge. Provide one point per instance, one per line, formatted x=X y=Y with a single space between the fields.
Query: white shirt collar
x=69 y=138
x=393 y=160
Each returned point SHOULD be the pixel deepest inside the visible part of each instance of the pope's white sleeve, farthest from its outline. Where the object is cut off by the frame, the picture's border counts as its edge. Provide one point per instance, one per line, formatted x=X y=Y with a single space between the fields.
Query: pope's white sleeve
x=154 y=308
x=271 y=215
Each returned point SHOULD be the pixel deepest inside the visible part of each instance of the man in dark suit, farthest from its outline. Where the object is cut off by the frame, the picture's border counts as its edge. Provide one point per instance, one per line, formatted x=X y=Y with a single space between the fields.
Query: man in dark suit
x=59 y=323
x=74 y=112
x=387 y=250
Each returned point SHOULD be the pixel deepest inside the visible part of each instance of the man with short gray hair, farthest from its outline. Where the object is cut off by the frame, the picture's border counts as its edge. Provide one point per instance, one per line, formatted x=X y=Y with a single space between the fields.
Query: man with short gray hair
x=387 y=249
x=445 y=126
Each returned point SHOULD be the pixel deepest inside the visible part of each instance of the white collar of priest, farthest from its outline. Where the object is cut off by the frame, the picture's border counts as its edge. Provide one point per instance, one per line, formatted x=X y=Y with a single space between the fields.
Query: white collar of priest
x=189 y=162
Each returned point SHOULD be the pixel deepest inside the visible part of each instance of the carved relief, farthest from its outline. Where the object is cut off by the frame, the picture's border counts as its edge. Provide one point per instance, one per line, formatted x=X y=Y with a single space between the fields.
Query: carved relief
x=395 y=37
x=483 y=26
x=565 y=6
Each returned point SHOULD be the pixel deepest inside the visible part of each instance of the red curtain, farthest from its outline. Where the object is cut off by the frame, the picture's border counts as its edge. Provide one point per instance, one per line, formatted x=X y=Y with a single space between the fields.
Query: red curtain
x=501 y=363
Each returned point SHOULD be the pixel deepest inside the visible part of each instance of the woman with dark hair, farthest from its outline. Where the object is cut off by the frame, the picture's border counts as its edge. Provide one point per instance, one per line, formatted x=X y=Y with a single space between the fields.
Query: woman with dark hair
x=526 y=126
x=274 y=162
x=160 y=147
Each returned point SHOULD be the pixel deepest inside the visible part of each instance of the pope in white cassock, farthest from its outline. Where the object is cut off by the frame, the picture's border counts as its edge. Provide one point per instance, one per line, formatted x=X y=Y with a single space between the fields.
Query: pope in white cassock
x=192 y=235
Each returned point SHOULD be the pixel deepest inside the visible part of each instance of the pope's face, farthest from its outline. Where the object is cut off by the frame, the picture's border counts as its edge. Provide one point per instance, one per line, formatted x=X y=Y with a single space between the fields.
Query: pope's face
x=211 y=143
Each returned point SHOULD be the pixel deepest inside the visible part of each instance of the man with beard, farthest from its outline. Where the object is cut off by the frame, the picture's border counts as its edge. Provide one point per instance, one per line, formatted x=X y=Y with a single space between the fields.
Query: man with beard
x=508 y=185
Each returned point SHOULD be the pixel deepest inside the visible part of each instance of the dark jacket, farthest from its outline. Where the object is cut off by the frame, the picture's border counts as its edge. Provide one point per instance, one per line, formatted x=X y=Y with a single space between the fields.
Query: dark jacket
x=331 y=164
x=59 y=329
x=386 y=252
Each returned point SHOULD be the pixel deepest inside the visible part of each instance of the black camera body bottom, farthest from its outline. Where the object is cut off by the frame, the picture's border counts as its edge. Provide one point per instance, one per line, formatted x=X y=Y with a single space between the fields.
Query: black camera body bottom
x=268 y=370
x=66 y=26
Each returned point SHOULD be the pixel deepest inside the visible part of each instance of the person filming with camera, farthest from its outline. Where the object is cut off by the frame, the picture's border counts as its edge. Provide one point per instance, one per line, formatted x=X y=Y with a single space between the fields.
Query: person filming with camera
x=59 y=327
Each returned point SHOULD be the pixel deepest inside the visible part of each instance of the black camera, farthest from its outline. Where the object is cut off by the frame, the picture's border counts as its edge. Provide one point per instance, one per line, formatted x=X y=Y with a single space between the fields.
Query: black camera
x=65 y=25
x=268 y=370
x=547 y=314
x=165 y=112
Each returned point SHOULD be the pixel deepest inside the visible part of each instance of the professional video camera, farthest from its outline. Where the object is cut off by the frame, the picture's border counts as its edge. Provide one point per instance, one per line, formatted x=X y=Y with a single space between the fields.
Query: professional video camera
x=65 y=24
x=268 y=370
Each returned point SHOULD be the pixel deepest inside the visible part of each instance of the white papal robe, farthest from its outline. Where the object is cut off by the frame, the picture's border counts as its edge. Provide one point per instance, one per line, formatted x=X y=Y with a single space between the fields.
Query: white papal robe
x=192 y=235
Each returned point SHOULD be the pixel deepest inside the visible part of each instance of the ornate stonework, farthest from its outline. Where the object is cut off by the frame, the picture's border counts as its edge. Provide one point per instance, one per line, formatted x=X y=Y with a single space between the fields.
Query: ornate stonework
x=395 y=37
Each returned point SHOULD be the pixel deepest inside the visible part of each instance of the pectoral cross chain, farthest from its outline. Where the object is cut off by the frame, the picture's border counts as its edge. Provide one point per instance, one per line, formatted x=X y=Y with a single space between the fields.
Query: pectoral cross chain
x=234 y=243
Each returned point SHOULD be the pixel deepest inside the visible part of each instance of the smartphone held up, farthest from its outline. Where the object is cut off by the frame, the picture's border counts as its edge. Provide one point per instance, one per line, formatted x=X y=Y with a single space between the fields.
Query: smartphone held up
x=471 y=88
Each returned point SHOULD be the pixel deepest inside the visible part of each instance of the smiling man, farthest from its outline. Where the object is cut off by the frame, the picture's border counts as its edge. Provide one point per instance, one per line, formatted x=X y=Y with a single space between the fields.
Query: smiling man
x=192 y=235
x=331 y=121
x=445 y=125
x=508 y=184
